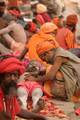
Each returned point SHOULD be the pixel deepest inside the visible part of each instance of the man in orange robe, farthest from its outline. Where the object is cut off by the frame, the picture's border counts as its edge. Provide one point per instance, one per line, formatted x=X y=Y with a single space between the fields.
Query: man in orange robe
x=66 y=35
x=46 y=33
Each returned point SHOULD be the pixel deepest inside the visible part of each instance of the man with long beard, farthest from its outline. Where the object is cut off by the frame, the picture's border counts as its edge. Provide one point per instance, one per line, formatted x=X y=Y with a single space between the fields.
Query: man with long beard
x=10 y=70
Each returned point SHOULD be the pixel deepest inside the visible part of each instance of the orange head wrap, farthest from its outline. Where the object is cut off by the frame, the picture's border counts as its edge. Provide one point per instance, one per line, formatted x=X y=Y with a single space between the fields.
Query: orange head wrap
x=48 y=27
x=45 y=46
x=71 y=19
x=10 y=64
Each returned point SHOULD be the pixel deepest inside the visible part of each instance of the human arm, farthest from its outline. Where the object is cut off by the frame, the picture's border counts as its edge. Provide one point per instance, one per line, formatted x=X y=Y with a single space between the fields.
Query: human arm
x=23 y=53
x=8 y=39
x=4 y=50
x=30 y=115
x=41 y=78
x=4 y=30
x=7 y=29
x=55 y=67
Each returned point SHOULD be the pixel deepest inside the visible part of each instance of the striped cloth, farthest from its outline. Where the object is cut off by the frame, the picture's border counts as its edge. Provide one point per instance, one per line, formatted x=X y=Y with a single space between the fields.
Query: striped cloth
x=25 y=9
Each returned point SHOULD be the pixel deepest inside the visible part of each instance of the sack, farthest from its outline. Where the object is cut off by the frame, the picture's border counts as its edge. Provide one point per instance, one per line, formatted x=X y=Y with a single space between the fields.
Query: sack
x=58 y=90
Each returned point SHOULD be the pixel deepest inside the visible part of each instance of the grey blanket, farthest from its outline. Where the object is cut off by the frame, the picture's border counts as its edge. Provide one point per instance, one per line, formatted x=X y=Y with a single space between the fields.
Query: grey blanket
x=71 y=71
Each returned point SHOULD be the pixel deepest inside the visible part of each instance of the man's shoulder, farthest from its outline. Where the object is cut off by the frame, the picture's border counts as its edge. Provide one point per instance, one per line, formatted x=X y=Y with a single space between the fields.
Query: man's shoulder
x=66 y=30
x=8 y=17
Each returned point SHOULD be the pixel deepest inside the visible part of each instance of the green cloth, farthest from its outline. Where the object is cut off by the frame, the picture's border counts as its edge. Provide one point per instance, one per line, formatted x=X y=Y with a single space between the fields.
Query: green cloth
x=26 y=10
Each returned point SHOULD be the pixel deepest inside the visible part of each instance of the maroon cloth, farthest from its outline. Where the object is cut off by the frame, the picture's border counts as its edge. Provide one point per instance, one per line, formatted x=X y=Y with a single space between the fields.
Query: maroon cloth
x=40 y=19
x=46 y=17
x=43 y=18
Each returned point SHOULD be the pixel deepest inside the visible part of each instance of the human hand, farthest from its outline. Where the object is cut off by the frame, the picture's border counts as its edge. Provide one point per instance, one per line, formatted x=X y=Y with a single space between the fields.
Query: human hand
x=23 y=77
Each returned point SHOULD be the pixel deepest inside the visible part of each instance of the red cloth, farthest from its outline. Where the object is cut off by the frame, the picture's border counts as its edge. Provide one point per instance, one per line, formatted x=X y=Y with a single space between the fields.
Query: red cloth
x=11 y=64
x=11 y=105
x=15 y=13
x=71 y=19
x=1 y=101
x=43 y=18
x=33 y=27
x=46 y=17
x=40 y=19
x=77 y=111
x=29 y=85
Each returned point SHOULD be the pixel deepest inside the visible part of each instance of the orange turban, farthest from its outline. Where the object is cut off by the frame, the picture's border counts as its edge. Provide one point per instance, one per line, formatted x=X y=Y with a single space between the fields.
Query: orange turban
x=71 y=19
x=45 y=46
x=48 y=27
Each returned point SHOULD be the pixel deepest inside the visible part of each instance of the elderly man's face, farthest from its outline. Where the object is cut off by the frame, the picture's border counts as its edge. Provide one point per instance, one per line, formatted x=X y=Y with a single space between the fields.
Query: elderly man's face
x=47 y=56
x=54 y=33
x=10 y=82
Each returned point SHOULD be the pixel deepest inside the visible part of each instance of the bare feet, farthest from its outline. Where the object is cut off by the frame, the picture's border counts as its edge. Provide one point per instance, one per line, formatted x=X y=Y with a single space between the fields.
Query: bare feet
x=39 y=106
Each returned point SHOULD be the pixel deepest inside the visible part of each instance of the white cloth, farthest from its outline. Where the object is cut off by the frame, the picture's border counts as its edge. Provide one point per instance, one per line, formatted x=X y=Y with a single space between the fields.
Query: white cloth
x=23 y=96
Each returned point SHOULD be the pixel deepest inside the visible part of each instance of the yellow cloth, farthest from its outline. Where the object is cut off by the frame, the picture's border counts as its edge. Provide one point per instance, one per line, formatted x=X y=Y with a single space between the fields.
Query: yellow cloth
x=48 y=28
x=40 y=8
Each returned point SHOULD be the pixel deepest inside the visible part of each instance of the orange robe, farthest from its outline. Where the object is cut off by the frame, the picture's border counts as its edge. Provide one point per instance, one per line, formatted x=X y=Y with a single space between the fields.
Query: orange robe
x=34 y=41
x=43 y=35
x=65 y=38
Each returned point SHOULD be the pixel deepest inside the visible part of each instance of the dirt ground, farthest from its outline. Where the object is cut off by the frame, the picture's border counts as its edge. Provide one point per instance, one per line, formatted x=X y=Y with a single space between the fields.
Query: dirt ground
x=68 y=108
